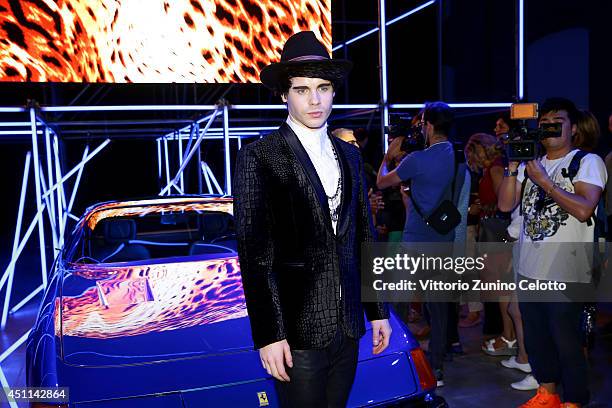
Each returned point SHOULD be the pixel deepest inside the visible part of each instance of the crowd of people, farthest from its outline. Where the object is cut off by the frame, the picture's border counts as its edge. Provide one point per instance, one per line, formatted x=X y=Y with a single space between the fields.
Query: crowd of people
x=305 y=203
x=547 y=342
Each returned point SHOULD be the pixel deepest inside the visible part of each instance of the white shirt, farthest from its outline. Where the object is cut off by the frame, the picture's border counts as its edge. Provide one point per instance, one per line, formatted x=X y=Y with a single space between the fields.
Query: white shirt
x=550 y=237
x=320 y=151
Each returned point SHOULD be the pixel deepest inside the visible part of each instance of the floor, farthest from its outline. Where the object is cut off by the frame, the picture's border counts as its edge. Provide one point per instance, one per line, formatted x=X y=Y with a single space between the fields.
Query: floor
x=476 y=380
x=473 y=380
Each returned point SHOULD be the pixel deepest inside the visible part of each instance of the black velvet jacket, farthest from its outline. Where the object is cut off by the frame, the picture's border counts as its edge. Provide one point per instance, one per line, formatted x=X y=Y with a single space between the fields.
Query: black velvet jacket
x=300 y=279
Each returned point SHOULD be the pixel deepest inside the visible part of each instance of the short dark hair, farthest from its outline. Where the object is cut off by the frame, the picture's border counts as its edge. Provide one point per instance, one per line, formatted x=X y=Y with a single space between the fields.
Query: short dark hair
x=440 y=115
x=360 y=134
x=557 y=104
x=505 y=116
x=332 y=73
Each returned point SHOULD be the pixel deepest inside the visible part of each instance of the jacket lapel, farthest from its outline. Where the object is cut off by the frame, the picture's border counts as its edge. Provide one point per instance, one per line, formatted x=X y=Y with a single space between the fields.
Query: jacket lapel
x=347 y=185
x=311 y=172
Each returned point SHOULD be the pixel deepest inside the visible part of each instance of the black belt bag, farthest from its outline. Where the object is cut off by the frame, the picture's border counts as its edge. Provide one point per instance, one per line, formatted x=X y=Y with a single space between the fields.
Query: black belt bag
x=446 y=216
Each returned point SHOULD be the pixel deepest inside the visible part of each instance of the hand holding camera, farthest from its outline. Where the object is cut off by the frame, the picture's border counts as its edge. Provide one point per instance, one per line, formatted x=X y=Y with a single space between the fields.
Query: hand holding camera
x=537 y=174
x=395 y=154
x=523 y=143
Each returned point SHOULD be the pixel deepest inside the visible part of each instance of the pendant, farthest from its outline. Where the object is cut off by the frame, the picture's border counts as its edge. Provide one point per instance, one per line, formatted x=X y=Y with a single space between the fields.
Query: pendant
x=334 y=215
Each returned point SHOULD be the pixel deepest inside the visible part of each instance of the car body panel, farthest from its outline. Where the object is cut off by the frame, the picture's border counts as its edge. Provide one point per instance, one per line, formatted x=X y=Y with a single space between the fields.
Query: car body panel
x=174 y=400
x=174 y=332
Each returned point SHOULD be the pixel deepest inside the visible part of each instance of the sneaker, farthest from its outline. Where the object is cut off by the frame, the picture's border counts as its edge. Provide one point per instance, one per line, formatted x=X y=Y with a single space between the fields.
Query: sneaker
x=543 y=399
x=439 y=378
x=526 y=384
x=512 y=363
x=455 y=348
x=452 y=350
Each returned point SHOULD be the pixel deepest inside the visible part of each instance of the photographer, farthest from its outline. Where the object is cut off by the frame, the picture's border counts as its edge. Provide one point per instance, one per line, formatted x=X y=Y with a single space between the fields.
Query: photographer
x=391 y=218
x=555 y=208
x=430 y=172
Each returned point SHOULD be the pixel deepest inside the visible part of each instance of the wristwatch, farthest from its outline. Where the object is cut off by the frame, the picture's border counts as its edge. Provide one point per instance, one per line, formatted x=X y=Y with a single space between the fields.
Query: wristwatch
x=508 y=173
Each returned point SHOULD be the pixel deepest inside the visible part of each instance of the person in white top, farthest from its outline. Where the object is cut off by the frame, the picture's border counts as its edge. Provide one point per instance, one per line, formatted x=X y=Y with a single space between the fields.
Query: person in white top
x=301 y=215
x=555 y=210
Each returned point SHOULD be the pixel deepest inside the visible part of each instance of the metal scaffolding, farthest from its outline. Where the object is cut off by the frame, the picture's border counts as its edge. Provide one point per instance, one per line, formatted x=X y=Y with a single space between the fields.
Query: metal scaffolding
x=51 y=184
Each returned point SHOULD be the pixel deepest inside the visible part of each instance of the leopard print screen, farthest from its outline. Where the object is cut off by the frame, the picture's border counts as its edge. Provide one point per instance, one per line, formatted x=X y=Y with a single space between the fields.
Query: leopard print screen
x=151 y=41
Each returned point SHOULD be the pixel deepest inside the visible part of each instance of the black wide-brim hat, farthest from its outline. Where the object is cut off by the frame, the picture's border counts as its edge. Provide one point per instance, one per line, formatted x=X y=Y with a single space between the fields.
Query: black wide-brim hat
x=301 y=48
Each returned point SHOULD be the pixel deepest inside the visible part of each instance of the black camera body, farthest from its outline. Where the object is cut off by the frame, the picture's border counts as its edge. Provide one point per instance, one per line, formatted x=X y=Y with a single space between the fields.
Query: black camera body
x=523 y=143
x=402 y=126
x=413 y=142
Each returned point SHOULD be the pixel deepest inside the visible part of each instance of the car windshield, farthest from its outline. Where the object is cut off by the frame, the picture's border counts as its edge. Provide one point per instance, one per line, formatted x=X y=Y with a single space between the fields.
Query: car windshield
x=152 y=235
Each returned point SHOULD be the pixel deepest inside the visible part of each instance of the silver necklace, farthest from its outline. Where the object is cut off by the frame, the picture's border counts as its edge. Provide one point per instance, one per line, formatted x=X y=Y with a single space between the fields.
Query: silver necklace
x=334 y=201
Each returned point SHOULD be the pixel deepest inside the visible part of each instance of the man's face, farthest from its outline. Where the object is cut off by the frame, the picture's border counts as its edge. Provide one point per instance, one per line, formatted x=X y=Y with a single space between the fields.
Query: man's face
x=567 y=130
x=427 y=129
x=501 y=127
x=309 y=101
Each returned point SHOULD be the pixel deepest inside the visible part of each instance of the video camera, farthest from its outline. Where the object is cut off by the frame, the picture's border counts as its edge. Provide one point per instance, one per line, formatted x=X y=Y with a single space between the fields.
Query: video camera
x=409 y=128
x=523 y=143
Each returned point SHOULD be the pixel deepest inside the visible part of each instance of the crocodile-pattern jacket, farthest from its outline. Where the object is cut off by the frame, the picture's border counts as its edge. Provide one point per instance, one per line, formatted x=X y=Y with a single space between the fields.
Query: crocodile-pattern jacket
x=300 y=279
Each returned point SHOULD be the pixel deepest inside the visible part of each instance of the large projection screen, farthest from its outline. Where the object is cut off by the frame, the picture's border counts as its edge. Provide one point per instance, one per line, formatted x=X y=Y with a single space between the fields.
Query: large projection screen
x=151 y=41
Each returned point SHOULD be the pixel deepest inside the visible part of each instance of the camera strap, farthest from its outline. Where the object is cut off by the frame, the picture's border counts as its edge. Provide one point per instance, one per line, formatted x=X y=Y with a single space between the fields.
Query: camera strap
x=570 y=172
x=523 y=184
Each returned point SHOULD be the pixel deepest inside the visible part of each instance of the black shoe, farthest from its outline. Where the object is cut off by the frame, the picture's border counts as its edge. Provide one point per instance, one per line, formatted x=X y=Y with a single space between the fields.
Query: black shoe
x=439 y=377
x=455 y=348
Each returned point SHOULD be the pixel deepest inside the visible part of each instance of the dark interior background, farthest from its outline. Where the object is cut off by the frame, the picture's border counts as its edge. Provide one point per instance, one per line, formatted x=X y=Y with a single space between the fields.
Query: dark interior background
x=469 y=57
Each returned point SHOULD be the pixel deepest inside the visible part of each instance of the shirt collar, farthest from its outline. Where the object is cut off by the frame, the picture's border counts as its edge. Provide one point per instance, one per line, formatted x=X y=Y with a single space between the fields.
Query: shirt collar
x=311 y=139
x=437 y=143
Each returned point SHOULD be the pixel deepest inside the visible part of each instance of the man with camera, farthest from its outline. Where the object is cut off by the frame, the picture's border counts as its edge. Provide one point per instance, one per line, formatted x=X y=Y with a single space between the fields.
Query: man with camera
x=430 y=173
x=557 y=207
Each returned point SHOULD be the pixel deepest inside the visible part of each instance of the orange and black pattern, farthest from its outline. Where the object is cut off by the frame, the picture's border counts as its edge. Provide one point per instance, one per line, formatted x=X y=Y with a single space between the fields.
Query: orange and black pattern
x=150 y=40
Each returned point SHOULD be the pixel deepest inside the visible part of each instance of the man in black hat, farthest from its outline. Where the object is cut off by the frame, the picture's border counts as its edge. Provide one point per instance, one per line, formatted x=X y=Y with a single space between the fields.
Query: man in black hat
x=301 y=211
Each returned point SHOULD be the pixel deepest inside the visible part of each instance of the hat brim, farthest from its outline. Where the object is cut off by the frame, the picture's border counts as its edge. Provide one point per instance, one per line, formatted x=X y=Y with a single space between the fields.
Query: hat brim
x=272 y=74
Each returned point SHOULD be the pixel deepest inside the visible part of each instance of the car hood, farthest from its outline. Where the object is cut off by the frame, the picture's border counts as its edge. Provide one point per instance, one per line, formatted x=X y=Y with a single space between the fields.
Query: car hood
x=127 y=313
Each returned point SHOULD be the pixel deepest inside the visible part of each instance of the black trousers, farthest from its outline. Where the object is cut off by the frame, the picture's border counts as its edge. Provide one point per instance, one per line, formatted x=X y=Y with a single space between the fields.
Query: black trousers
x=321 y=378
x=553 y=340
x=452 y=328
x=438 y=314
x=493 y=324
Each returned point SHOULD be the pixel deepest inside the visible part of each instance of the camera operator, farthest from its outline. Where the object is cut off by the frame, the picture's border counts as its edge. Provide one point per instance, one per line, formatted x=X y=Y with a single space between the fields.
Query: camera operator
x=430 y=173
x=555 y=209
x=403 y=138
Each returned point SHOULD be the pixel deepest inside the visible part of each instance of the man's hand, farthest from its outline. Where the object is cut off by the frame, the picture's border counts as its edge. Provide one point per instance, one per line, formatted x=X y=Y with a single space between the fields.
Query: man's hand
x=475 y=208
x=273 y=358
x=381 y=333
x=513 y=165
x=537 y=174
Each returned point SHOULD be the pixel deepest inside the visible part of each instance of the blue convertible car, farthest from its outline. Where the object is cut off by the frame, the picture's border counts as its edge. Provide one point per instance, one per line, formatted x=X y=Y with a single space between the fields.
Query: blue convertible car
x=145 y=308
